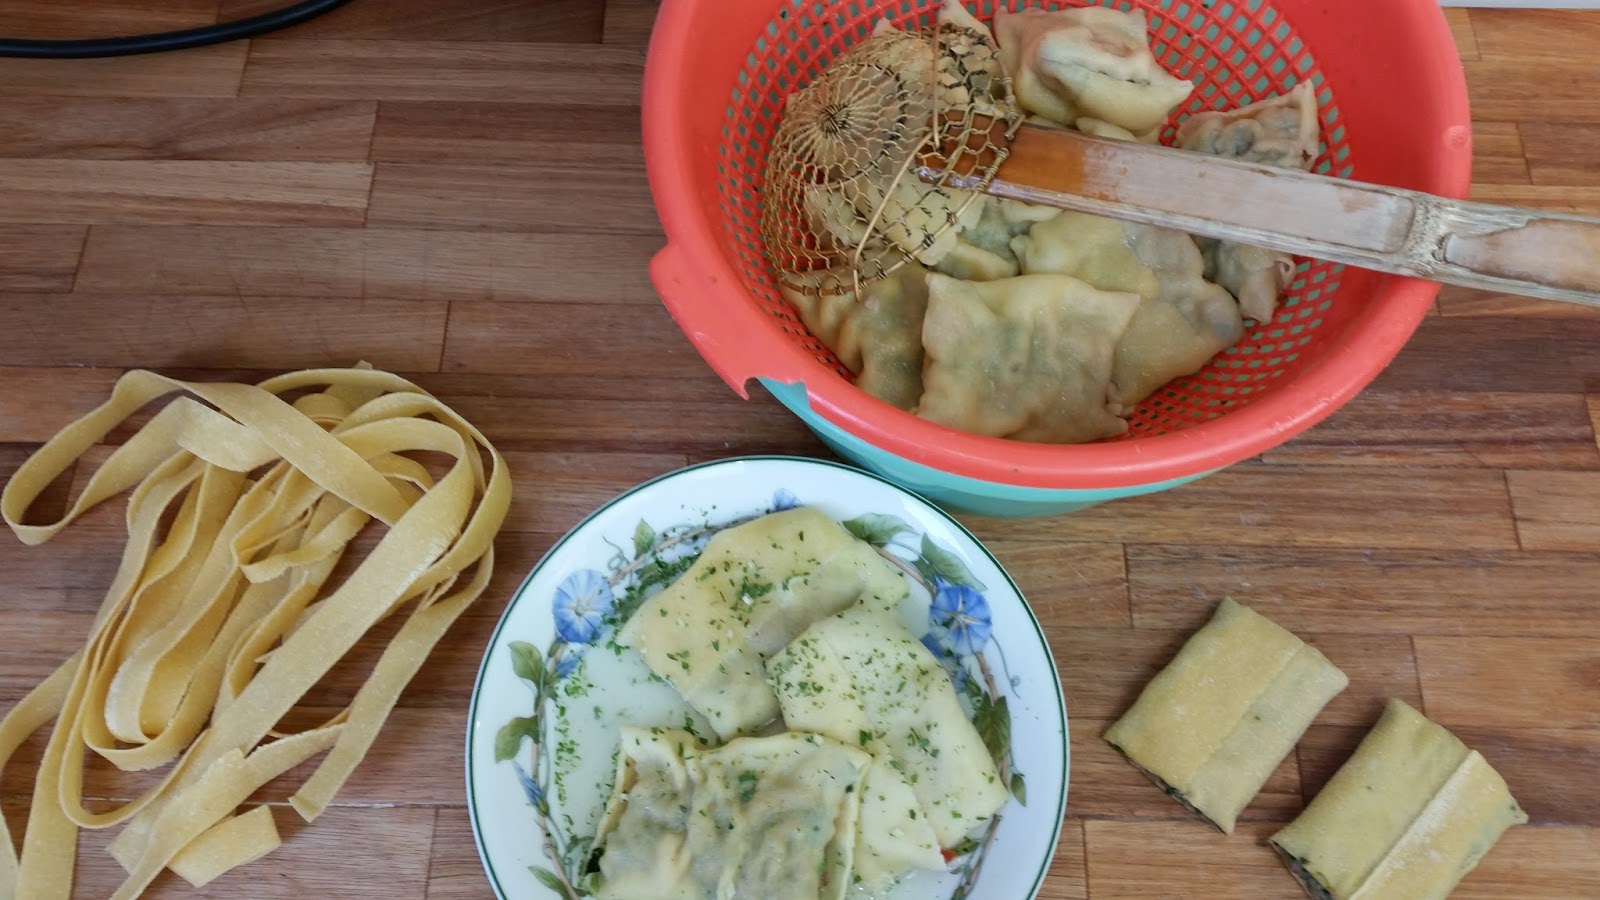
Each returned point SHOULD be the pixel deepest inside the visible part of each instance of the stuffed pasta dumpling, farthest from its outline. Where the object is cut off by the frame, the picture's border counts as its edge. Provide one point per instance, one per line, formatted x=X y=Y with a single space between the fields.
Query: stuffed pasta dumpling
x=1279 y=131
x=1027 y=358
x=1182 y=320
x=1088 y=62
x=878 y=337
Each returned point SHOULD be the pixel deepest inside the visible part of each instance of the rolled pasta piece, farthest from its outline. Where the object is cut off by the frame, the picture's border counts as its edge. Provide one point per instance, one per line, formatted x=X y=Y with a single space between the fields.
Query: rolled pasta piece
x=1409 y=814
x=772 y=817
x=1027 y=358
x=755 y=588
x=1210 y=727
x=1090 y=62
x=862 y=678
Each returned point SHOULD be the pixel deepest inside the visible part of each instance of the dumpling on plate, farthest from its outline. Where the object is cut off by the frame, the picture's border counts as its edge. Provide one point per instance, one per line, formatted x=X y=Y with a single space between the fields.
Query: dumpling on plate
x=1279 y=131
x=772 y=817
x=1087 y=62
x=1027 y=358
x=755 y=587
x=1182 y=320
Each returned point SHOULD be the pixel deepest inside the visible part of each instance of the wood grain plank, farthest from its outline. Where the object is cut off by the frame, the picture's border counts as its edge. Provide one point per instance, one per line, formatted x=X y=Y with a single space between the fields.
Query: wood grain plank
x=1106 y=786
x=566 y=339
x=1533 y=34
x=1288 y=506
x=1582 y=199
x=39 y=258
x=1449 y=428
x=1497 y=154
x=1556 y=510
x=1184 y=859
x=184 y=192
x=36 y=402
x=1535 y=864
x=1085 y=584
x=353 y=854
x=215 y=71
x=37 y=644
x=1104 y=669
x=539 y=134
x=153 y=331
x=454 y=72
x=455 y=872
x=603 y=414
x=45 y=20
x=1498 y=354
x=564 y=21
x=1068 y=875
x=187 y=128
x=513 y=198
x=1499 y=682
x=1460 y=301
x=629 y=22
x=1509 y=90
x=1562 y=154
x=1350 y=591
x=1553 y=772
x=345 y=262
x=1461 y=27
x=560 y=489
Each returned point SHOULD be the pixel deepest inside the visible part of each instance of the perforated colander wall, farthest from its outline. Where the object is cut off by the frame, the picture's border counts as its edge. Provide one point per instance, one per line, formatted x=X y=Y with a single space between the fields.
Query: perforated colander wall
x=1235 y=51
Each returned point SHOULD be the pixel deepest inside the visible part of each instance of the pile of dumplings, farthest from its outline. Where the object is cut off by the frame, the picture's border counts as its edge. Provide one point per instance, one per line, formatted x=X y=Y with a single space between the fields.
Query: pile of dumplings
x=1035 y=324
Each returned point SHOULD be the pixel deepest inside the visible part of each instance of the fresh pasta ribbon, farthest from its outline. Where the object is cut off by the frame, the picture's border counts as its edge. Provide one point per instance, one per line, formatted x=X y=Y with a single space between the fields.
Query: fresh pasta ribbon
x=242 y=502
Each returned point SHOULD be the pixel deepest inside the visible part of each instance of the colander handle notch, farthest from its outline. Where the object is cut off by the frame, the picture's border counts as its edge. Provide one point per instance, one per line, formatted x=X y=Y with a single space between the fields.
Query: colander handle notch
x=1533 y=253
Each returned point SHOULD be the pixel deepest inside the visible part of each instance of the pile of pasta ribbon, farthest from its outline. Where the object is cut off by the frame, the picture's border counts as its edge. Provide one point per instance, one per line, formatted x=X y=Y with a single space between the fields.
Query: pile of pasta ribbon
x=220 y=617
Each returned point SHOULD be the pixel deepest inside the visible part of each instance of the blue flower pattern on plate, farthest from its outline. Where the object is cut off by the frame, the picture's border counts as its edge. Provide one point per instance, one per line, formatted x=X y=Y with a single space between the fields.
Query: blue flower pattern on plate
x=784 y=499
x=580 y=606
x=960 y=618
x=529 y=787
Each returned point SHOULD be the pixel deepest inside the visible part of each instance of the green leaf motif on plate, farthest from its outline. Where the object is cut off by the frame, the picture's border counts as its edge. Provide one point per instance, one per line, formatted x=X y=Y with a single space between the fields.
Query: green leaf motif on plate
x=992 y=718
x=644 y=538
x=549 y=880
x=509 y=738
x=877 y=529
x=937 y=563
x=526 y=661
x=1019 y=788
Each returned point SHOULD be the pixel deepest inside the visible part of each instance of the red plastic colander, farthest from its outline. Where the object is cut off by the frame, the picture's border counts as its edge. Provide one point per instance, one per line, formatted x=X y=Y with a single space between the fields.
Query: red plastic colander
x=1394 y=111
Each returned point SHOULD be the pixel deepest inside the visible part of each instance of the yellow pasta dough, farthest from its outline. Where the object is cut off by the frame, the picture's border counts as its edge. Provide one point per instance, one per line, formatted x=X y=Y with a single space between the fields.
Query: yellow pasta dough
x=1406 y=817
x=1212 y=725
x=214 y=627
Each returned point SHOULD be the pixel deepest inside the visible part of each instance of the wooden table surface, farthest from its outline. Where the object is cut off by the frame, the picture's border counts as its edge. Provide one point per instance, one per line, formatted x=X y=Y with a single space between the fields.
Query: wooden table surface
x=454 y=190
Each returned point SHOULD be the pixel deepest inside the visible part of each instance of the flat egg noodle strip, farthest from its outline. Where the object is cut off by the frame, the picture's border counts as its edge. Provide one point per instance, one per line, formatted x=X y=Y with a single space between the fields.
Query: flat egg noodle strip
x=392 y=570
x=204 y=574
x=49 y=845
x=235 y=841
x=226 y=783
x=35 y=710
x=44 y=870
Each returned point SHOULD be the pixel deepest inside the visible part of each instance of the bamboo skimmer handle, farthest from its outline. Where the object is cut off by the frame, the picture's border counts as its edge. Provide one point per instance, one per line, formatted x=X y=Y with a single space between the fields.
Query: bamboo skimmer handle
x=1554 y=256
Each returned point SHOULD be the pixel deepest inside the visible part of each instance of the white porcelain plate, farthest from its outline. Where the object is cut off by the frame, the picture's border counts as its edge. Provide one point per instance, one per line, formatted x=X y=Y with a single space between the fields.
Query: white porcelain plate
x=553 y=690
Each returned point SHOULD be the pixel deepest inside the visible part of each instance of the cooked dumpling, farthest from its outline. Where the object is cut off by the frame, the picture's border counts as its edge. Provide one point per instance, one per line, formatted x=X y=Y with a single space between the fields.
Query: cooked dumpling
x=755 y=587
x=1027 y=358
x=861 y=677
x=771 y=817
x=1409 y=814
x=1182 y=321
x=879 y=338
x=1087 y=62
x=1089 y=125
x=983 y=249
x=1279 y=131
